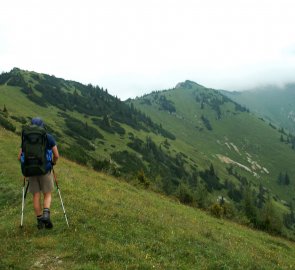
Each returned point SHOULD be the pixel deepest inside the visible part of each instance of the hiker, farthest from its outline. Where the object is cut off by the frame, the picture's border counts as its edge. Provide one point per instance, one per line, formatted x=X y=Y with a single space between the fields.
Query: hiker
x=42 y=182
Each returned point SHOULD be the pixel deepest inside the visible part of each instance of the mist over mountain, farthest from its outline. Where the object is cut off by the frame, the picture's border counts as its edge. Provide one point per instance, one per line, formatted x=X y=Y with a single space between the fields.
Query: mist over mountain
x=274 y=103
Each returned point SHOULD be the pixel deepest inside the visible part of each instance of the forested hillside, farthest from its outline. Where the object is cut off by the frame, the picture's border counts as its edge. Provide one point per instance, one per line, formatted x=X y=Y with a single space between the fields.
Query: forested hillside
x=190 y=142
x=248 y=162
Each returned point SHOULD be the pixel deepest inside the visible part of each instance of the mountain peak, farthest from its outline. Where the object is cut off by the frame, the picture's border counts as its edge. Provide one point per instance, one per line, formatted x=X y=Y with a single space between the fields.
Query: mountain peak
x=187 y=84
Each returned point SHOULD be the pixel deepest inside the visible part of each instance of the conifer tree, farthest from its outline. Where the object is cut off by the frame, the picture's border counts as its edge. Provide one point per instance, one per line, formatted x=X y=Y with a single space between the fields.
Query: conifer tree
x=248 y=205
x=282 y=138
x=281 y=178
x=287 y=179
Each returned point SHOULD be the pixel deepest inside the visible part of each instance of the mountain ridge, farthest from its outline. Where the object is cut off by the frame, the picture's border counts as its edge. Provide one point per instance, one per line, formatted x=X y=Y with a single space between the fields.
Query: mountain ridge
x=181 y=143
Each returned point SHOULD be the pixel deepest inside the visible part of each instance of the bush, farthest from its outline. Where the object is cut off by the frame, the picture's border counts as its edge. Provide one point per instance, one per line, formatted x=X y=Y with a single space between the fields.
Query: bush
x=225 y=210
x=20 y=119
x=142 y=179
x=269 y=219
x=202 y=196
x=216 y=210
x=85 y=144
x=6 y=124
x=229 y=210
x=75 y=153
x=206 y=122
x=184 y=194
x=82 y=129
x=129 y=162
x=101 y=165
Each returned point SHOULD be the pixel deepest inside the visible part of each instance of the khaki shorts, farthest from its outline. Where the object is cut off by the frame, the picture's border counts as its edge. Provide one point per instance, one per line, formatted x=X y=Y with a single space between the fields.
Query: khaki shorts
x=41 y=183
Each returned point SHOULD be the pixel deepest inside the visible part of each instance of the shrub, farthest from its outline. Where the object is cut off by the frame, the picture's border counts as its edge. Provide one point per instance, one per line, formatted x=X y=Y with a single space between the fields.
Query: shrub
x=184 y=194
x=269 y=219
x=19 y=119
x=216 y=210
x=6 y=124
x=142 y=179
x=82 y=129
x=75 y=153
x=101 y=165
x=206 y=122
x=129 y=162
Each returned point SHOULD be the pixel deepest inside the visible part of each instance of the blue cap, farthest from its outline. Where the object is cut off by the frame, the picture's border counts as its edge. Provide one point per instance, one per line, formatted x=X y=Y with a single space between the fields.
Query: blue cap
x=37 y=121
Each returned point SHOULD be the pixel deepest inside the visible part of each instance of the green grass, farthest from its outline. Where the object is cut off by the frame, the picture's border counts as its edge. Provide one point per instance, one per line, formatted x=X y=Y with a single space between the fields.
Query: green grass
x=117 y=226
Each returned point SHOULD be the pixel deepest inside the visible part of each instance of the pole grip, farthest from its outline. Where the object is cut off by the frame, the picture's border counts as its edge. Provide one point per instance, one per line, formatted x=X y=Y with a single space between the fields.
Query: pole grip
x=55 y=179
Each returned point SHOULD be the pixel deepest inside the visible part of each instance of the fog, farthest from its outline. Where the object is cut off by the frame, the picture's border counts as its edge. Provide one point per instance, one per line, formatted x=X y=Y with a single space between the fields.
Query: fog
x=134 y=47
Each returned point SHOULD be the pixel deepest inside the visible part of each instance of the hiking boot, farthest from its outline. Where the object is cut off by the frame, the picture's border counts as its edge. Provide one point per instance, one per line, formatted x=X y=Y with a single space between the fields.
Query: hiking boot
x=40 y=224
x=46 y=219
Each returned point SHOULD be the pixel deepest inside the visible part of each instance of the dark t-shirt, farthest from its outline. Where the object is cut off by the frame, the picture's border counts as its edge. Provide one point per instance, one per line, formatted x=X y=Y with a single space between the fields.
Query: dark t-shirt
x=50 y=142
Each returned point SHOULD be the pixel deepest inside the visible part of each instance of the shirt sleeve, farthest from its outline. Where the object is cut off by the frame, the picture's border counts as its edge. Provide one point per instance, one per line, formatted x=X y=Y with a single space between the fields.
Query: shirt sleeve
x=51 y=141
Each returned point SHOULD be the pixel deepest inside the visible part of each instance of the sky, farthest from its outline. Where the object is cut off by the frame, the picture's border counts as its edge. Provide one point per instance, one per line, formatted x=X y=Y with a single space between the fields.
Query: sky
x=134 y=47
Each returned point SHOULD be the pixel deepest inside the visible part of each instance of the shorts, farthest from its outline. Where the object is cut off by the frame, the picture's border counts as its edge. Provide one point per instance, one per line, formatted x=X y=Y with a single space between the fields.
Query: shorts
x=41 y=183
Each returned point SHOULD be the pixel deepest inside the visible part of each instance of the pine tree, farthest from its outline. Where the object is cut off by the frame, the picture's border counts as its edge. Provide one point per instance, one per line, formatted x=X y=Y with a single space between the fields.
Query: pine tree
x=202 y=196
x=282 y=138
x=289 y=219
x=106 y=121
x=260 y=197
x=212 y=171
x=248 y=205
x=281 y=179
x=287 y=179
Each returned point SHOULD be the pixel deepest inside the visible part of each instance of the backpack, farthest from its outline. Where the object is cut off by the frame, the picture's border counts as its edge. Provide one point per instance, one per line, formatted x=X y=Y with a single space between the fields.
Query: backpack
x=34 y=155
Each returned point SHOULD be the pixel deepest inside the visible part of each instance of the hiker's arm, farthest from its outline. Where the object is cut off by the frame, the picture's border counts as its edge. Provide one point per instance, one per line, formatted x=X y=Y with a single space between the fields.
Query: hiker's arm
x=19 y=154
x=55 y=154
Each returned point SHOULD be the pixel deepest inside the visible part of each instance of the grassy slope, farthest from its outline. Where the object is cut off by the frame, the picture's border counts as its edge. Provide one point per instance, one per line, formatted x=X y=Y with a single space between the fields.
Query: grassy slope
x=116 y=226
x=244 y=130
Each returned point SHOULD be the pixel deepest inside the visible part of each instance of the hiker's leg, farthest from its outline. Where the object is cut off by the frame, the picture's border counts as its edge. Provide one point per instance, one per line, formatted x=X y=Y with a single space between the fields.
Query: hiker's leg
x=47 y=199
x=46 y=210
x=37 y=203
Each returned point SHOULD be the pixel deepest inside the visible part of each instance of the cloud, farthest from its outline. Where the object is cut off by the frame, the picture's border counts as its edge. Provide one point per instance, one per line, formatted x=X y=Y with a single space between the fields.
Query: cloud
x=131 y=47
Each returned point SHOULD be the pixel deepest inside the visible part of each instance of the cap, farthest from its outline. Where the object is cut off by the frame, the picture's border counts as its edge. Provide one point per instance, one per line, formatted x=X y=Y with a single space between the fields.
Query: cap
x=37 y=121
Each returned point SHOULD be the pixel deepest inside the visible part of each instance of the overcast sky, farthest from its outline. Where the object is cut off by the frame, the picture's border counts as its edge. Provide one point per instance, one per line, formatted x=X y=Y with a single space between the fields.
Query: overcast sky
x=133 y=47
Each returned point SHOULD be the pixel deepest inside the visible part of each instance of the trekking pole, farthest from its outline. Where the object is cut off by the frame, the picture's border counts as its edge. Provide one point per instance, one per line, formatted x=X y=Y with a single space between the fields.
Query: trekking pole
x=62 y=204
x=23 y=201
